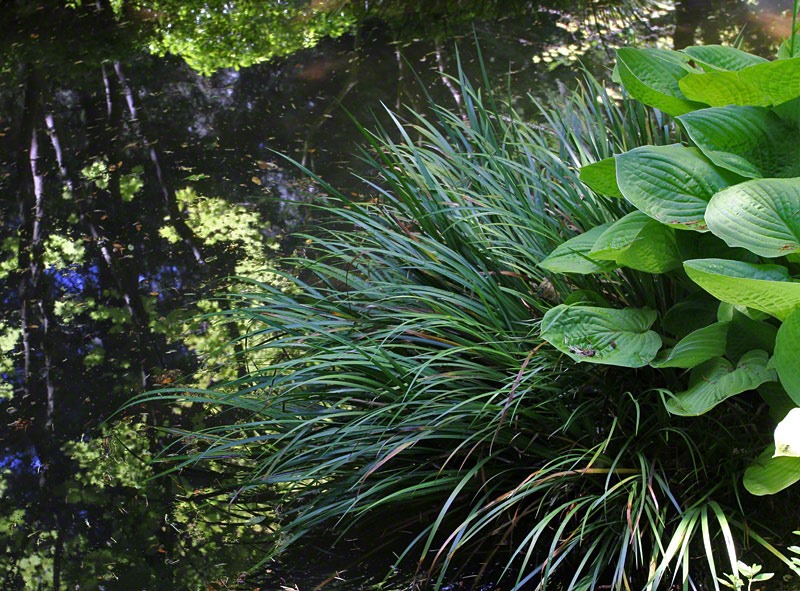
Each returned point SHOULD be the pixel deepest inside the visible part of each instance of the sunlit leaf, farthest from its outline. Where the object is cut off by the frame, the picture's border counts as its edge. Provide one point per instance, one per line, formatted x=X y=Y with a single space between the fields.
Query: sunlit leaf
x=722 y=57
x=762 y=287
x=651 y=76
x=760 y=85
x=761 y=215
x=751 y=141
x=672 y=184
x=768 y=475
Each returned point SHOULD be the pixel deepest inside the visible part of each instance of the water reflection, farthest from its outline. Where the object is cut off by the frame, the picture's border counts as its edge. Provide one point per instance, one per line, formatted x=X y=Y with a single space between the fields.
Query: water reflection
x=133 y=186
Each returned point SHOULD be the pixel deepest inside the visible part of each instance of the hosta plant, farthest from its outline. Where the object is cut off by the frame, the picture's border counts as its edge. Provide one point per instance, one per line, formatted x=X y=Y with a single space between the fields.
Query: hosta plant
x=719 y=213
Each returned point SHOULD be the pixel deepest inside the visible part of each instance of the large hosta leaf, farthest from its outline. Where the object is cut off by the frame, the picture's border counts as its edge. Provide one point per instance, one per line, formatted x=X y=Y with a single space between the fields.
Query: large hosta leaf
x=601 y=177
x=762 y=287
x=602 y=335
x=652 y=75
x=769 y=474
x=639 y=242
x=572 y=256
x=750 y=141
x=722 y=57
x=695 y=348
x=672 y=184
x=787 y=435
x=787 y=355
x=717 y=380
x=762 y=215
x=760 y=85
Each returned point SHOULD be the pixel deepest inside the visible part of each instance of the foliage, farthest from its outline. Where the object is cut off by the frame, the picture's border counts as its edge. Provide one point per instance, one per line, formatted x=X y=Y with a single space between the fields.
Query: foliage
x=222 y=33
x=730 y=196
x=750 y=573
x=409 y=389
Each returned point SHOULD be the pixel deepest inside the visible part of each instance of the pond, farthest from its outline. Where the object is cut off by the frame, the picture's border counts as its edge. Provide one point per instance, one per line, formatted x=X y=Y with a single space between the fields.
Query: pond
x=135 y=186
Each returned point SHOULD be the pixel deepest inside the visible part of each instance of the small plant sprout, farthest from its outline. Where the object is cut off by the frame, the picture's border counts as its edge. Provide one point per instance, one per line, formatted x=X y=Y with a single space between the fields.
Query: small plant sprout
x=752 y=574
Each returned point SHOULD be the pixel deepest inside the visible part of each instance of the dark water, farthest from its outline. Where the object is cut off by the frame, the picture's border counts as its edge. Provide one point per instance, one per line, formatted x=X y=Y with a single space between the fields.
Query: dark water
x=132 y=187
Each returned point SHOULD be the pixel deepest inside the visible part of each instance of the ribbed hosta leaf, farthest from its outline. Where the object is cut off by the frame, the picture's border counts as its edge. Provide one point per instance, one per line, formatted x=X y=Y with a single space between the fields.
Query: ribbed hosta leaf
x=769 y=475
x=652 y=75
x=787 y=355
x=762 y=287
x=717 y=380
x=695 y=348
x=722 y=57
x=602 y=335
x=750 y=141
x=762 y=215
x=639 y=242
x=601 y=177
x=787 y=435
x=672 y=184
x=761 y=85
x=572 y=256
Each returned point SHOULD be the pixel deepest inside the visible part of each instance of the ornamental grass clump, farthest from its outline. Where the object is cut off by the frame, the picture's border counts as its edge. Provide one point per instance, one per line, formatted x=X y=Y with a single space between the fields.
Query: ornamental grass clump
x=467 y=356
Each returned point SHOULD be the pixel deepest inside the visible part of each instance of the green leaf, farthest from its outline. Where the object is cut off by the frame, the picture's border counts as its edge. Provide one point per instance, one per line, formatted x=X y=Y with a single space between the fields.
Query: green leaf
x=572 y=256
x=695 y=348
x=787 y=347
x=776 y=398
x=722 y=57
x=672 y=184
x=751 y=141
x=769 y=475
x=789 y=112
x=692 y=313
x=762 y=215
x=760 y=85
x=602 y=335
x=763 y=287
x=746 y=334
x=717 y=380
x=639 y=242
x=651 y=76
x=787 y=435
x=763 y=577
x=601 y=177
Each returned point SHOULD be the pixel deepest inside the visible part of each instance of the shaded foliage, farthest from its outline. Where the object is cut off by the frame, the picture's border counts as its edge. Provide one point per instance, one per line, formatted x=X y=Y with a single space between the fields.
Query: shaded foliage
x=408 y=383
